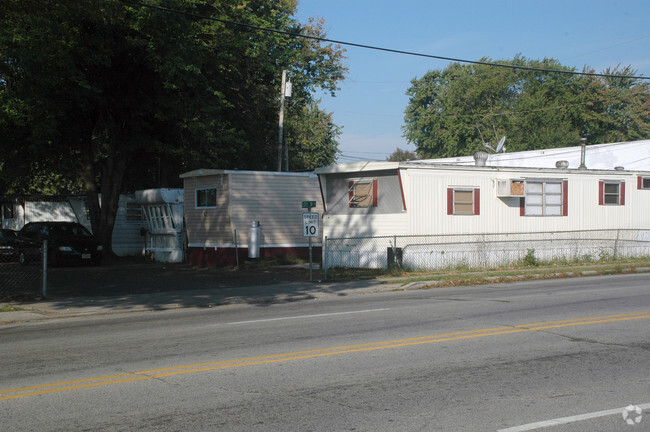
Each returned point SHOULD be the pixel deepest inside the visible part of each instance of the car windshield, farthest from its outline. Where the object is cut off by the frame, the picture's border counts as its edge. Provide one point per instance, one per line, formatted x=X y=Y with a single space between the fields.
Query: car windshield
x=68 y=231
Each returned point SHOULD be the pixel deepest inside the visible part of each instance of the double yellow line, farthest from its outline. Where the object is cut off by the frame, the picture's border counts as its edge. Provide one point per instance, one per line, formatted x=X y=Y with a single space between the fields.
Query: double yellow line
x=301 y=355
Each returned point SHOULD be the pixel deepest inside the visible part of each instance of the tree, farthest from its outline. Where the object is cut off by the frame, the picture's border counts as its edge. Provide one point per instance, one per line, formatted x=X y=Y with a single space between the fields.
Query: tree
x=106 y=93
x=311 y=135
x=400 y=155
x=452 y=112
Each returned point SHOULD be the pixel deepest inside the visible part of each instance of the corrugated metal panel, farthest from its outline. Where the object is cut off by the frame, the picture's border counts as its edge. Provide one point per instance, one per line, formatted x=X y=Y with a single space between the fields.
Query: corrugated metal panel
x=276 y=202
x=209 y=225
x=427 y=204
x=127 y=239
x=365 y=225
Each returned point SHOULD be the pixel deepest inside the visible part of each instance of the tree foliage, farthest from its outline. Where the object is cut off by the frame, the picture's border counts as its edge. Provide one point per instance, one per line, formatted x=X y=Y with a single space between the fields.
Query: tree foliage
x=451 y=112
x=106 y=96
x=400 y=155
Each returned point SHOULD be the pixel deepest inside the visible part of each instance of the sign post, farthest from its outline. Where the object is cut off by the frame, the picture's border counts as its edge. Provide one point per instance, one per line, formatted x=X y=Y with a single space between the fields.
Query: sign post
x=310 y=228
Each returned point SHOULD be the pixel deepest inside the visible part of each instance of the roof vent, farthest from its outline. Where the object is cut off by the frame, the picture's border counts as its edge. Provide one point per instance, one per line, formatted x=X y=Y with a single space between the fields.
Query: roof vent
x=619 y=168
x=480 y=158
x=562 y=164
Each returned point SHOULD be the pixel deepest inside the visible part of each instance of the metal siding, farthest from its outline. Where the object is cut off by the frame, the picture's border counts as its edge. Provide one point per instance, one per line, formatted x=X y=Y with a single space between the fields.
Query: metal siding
x=276 y=202
x=428 y=206
x=207 y=226
x=127 y=238
x=365 y=225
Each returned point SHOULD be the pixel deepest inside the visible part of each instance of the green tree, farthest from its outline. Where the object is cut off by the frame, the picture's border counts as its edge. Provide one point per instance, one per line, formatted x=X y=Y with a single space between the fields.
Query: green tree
x=311 y=134
x=105 y=95
x=452 y=112
x=400 y=155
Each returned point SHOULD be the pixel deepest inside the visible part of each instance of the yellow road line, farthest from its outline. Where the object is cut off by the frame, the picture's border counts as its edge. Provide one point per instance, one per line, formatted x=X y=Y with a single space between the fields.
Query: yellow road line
x=308 y=354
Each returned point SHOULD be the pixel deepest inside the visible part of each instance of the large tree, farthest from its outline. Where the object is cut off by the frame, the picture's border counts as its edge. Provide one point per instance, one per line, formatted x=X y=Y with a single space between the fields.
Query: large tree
x=108 y=95
x=452 y=112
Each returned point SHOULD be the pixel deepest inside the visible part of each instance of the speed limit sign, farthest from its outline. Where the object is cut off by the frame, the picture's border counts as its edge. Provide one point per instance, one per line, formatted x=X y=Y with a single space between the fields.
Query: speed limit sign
x=310 y=224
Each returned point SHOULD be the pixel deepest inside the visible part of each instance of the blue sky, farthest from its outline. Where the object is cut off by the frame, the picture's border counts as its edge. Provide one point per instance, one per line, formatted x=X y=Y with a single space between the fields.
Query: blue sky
x=370 y=105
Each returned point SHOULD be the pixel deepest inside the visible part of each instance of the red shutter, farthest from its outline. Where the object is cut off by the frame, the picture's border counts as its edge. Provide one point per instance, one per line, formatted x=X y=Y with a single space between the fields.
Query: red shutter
x=350 y=192
x=477 y=201
x=600 y=192
x=639 y=182
x=450 y=201
x=522 y=206
x=565 y=198
x=374 y=193
x=622 y=190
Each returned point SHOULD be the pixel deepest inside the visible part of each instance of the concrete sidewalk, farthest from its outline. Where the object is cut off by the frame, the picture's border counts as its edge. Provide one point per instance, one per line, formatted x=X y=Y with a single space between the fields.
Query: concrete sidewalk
x=207 y=292
x=198 y=298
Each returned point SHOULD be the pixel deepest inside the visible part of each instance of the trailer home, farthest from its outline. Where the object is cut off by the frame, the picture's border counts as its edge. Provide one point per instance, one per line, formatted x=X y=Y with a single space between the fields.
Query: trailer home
x=164 y=235
x=427 y=214
x=235 y=215
x=16 y=211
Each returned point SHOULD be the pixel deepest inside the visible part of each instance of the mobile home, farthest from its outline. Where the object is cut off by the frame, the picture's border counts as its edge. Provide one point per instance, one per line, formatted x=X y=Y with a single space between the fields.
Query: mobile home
x=234 y=215
x=427 y=205
x=16 y=211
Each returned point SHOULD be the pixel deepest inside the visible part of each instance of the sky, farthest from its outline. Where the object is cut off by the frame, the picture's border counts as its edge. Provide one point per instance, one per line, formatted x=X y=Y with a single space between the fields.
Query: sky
x=371 y=102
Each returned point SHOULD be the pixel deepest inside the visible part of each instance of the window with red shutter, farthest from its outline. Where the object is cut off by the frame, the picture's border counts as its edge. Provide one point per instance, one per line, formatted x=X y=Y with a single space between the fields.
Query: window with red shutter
x=611 y=192
x=463 y=201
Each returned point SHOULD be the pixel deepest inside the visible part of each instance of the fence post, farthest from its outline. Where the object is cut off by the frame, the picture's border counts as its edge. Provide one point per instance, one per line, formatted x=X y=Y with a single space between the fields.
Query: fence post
x=618 y=232
x=44 y=268
x=324 y=258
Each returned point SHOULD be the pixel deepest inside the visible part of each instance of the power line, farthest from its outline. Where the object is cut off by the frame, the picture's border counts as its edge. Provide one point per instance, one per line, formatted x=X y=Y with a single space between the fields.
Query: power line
x=376 y=48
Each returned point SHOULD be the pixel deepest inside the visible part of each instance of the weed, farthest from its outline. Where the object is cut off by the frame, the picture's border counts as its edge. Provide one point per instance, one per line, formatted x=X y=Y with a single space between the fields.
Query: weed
x=530 y=260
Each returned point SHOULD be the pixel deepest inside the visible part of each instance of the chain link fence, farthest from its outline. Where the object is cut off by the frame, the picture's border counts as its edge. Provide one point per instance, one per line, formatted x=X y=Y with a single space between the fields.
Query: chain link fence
x=453 y=251
x=21 y=273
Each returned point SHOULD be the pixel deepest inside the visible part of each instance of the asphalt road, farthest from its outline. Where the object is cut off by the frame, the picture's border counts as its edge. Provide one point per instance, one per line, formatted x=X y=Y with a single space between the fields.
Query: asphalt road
x=562 y=355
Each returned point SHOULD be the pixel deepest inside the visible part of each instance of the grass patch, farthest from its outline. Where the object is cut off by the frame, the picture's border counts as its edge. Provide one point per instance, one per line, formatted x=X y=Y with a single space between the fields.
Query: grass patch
x=10 y=308
x=530 y=268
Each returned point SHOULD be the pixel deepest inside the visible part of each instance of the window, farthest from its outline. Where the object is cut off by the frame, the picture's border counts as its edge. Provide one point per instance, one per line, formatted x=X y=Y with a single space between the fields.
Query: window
x=545 y=198
x=463 y=201
x=643 y=182
x=133 y=212
x=362 y=193
x=611 y=192
x=8 y=211
x=206 y=198
x=160 y=217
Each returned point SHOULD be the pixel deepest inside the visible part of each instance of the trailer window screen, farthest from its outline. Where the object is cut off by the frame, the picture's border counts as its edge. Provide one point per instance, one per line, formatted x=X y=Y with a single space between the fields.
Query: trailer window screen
x=643 y=183
x=362 y=193
x=544 y=198
x=206 y=198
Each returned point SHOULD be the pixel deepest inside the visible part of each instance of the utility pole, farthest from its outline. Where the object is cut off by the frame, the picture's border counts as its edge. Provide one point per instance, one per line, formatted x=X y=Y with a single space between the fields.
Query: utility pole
x=281 y=128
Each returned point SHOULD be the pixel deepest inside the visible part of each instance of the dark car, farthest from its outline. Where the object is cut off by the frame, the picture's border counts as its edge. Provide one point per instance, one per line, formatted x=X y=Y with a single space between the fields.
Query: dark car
x=14 y=248
x=67 y=242
x=8 y=245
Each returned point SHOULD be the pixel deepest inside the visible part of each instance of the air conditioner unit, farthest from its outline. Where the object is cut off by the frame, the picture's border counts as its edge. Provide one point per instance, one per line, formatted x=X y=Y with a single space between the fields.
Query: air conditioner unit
x=510 y=188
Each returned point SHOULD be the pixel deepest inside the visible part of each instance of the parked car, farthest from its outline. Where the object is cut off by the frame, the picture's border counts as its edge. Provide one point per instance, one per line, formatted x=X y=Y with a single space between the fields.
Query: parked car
x=67 y=242
x=8 y=245
x=14 y=248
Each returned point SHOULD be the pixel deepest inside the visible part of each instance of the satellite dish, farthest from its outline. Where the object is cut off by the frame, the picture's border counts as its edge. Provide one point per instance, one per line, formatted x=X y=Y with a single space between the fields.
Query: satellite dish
x=500 y=145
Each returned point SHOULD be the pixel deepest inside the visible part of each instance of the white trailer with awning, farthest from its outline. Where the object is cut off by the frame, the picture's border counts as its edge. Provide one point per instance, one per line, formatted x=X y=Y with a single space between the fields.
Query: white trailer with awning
x=163 y=211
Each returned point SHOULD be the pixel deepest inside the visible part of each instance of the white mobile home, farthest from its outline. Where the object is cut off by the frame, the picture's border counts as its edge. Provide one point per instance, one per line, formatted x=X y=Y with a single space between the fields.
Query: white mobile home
x=164 y=237
x=223 y=206
x=432 y=204
x=127 y=240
